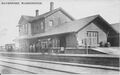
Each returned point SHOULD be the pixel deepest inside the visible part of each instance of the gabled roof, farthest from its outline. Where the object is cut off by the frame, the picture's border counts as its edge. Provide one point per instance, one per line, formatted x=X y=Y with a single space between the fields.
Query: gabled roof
x=73 y=26
x=25 y=19
x=31 y=18
x=116 y=27
x=52 y=12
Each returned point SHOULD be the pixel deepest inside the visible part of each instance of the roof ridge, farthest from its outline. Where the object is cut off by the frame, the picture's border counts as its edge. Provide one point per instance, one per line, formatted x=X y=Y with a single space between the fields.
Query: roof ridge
x=27 y=16
x=77 y=20
x=43 y=14
x=51 y=12
x=72 y=22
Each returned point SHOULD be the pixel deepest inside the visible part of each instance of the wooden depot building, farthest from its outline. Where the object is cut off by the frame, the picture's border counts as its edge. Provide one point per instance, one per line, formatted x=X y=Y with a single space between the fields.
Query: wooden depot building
x=56 y=28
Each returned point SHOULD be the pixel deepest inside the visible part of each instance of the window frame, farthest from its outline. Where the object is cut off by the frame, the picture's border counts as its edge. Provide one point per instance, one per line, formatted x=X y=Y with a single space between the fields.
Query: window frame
x=42 y=25
x=92 y=34
x=51 y=23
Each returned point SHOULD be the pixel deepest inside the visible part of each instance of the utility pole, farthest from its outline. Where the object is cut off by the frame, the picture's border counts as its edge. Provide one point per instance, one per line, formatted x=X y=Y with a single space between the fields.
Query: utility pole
x=86 y=45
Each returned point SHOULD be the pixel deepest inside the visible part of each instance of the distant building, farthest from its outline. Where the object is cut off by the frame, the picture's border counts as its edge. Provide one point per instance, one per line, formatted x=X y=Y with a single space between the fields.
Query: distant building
x=2 y=48
x=57 y=28
x=10 y=47
x=114 y=37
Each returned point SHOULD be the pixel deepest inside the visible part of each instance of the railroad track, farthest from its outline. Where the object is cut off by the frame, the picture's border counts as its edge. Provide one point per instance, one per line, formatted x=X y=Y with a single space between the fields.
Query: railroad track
x=39 y=66
x=30 y=68
x=5 y=69
x=70 y=64
x=36 y=66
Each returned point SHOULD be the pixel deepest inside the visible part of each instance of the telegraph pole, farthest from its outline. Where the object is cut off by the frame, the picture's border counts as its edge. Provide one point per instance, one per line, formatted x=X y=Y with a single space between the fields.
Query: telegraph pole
x=86 y=45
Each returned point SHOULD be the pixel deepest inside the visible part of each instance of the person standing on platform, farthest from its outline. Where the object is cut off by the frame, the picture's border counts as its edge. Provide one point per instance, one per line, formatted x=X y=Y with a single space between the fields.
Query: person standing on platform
x=31 y=48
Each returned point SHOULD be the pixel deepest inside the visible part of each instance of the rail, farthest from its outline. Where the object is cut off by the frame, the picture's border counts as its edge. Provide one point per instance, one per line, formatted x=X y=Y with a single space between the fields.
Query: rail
x=93 y=59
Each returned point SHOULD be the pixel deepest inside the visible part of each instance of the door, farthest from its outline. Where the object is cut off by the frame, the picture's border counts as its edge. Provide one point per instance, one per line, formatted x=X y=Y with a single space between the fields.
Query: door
x=92 y=38
x=62 y=41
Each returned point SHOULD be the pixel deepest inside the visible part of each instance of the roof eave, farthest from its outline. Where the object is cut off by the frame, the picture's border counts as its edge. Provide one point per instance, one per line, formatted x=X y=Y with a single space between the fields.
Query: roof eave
x=35 y=19
x=87 y=24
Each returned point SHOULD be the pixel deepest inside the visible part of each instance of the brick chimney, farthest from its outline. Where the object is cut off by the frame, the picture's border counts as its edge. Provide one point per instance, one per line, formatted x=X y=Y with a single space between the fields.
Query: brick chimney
x=51 y=6
x=37 y=12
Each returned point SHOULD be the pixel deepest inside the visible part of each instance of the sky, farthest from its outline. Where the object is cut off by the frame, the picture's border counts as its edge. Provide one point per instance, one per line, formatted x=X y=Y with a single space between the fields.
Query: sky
x=11 y=13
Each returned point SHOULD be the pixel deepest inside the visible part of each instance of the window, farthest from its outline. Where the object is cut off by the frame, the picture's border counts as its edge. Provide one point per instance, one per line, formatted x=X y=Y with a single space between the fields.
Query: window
x=44 y=43
x=26 y=28
x=51 y=22
x=56 y=42
x=42 y=25
x=92 y=38
x=37 y=27
x=20 y=29
x=59 y=21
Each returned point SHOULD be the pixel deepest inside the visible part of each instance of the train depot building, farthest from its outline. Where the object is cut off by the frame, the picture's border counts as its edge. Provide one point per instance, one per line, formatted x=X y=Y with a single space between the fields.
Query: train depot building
x=56 y=29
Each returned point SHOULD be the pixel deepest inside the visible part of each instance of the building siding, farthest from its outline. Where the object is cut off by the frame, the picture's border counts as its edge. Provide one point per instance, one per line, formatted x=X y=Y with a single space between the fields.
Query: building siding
x=58 y=18
x=24 y=45
x=114 y=39
x=36 y=27
x=25 y=29
x=29 y=29
x=71 y=40
x=81 y=35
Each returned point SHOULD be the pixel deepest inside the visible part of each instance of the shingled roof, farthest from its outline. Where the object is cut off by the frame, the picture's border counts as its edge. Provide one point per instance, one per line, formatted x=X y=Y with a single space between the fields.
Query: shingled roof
x=28 y=18
x=25 y=19
x=116 y=27
x=32 y=18
x=70 y=27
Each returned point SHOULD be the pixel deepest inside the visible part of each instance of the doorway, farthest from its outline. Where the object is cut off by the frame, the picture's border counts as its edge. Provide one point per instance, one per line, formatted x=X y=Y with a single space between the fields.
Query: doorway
x=62 y=41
